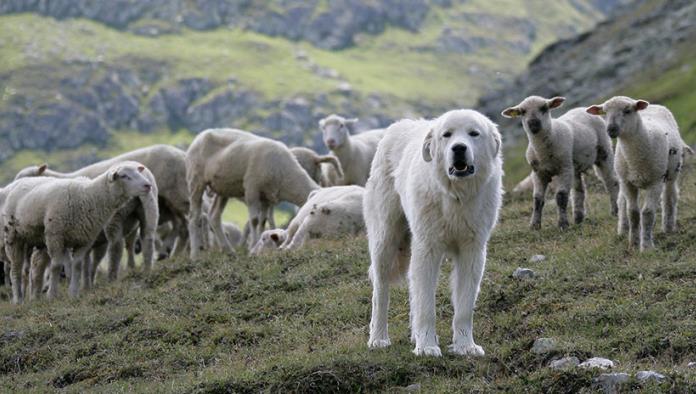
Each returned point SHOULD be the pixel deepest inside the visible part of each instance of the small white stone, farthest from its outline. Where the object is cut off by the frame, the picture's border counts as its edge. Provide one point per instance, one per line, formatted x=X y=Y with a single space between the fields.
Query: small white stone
x=523 y=273
x=537 y=258
x=597 y=362
x=543 y=345
x=691 y=364
x=647 y=375
x=565 y=363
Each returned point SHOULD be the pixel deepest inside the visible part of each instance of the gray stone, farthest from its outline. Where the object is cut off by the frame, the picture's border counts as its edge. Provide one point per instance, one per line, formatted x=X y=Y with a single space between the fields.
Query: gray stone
x=691 y=364
x=610 y=381
x=537 y=258
x=597 y=362
x=543 y=345
x=523 y=273
x=565 y=363
x=413 y=387
x=644 y=376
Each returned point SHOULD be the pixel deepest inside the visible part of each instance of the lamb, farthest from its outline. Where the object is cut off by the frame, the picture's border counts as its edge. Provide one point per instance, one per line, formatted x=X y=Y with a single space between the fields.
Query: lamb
x=324 y=170
x=355 y=152
x=562 y=150
x=238 y=164
x=166 y=163
x=649 y=157
x=64 y=214
x=269 y=240
x=329 y=212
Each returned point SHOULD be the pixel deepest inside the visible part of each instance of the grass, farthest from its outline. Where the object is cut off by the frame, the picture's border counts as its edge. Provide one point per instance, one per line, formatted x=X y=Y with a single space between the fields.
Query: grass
x=298 y=321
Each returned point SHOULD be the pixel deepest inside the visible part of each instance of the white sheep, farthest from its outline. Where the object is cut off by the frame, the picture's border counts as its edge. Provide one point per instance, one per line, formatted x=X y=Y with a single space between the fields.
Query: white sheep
x=323 y=169
x=355 y=152
x=168 y=166
x=328 y=213
x=238 y=164
x=64 y=215
x=269 y=240
x=649 y=157
x=232 y=232
x=562 y=150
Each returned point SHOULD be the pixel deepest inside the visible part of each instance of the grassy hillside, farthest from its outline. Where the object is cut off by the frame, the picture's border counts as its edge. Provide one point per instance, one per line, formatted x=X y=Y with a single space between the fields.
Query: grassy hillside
x=298 y=321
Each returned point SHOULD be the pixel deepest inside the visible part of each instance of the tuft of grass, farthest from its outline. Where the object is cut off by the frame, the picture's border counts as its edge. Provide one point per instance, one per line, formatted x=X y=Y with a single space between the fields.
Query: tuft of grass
x=298 y=321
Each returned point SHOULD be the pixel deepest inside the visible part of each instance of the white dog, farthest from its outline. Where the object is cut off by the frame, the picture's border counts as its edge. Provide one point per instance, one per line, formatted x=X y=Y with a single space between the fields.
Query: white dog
x=436 y=187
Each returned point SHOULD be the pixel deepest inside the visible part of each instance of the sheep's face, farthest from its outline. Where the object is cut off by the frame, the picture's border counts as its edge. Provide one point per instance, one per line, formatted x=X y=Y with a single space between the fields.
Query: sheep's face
x=31 y=171
x=535 y=112
x=621 y=114
x=461 y=144
x=270 y=240
x=335 y=130
x=131 y=179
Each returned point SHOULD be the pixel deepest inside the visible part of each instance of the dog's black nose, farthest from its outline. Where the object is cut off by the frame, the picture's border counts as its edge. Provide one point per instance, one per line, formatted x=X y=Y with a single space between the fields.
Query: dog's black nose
x=459 y=148
x=613 y=130
x=534 y=125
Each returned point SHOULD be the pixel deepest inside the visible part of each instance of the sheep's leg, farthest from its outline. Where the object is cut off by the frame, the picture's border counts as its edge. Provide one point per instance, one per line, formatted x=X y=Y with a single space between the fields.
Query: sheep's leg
x=465 y=283
x=26 y=265
x=622 y=227
x=578 y=198
x=130 y=249
x=39 y=262
x=182 y=236
x=424 y=270
x=17 y=254
x=115 y=255
x=605 y=172
x=539 y=194
x=216 y=209
x=78 y=258
x=256 y=211
x=300 y=236
x=98 y=253
x=670 y=199
x=60 y=258
x=271 y=219
x=565 y=180
x=86 y=272
x=197 y=225
x=647 y=219
x=630 y=193
x=8 y=281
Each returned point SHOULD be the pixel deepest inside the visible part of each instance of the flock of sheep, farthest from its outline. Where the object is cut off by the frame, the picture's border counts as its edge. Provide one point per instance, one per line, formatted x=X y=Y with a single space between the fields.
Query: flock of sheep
x=56 y=224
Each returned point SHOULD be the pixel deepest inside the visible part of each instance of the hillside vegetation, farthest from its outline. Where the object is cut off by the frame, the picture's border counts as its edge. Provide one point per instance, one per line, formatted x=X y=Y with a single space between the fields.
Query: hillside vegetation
x=298 y=321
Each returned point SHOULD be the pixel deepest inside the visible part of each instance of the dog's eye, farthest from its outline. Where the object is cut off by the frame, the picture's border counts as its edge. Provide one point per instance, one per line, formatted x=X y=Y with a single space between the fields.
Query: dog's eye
x=474 y=133
x=627 y=111
x=447 y=133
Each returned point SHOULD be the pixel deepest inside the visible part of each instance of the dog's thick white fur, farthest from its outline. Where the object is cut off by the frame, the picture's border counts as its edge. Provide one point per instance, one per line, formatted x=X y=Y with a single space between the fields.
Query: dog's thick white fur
x=435 y=190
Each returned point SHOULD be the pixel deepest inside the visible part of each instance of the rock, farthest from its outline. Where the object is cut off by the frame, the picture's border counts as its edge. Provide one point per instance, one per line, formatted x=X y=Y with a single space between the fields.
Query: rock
x=565 y=363
x=644 y=376
x=691 y=364
x=413 y=387
x=543 y=346
x=537 y=258
x=523 y=273
x=610 y=381
x=597 y=362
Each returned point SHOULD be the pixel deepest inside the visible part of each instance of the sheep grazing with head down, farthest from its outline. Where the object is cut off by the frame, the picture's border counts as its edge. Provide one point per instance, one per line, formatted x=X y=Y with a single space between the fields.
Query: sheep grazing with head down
x=64 y=215
x=562 y=150
x=649 y=157
x=323 y=169
x=269 y=240
x=237 y=164
x=355 y=152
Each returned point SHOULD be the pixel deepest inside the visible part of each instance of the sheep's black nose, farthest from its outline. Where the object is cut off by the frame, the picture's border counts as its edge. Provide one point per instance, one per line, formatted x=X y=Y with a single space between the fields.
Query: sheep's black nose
x=148 y=187
x=459 y=148
x=613 y=130
x=534 y=125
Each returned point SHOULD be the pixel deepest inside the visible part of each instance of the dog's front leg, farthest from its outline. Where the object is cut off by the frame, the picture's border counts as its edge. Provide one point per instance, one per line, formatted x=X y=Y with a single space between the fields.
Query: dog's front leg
x=466 y=280
x=422 y=277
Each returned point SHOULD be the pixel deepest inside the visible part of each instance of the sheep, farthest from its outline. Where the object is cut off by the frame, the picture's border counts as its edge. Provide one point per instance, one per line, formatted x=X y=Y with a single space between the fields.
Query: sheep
x=269 y=240
x=233 y=234
x=355 y=152
x=329 y=212
x=64 y=214
x=324 y=170
x=238 y=164
x=649 y=157
x=562 y=150
x=166 y=163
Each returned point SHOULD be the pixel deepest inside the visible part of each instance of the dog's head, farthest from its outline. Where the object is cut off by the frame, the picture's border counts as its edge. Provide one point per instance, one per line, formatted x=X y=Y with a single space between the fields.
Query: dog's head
x=462 y=144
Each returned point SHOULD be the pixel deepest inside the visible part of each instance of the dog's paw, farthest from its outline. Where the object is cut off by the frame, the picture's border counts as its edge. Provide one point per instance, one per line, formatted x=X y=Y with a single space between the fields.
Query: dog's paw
x=378 y=343
x=467 y=350
x=427 y=351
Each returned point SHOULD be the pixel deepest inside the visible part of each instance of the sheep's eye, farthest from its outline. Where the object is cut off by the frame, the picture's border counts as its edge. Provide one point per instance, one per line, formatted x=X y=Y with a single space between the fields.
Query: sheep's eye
x=544 y=108
x=474 y=133
x=626 y=111
x=447 y=133
x=523 y=112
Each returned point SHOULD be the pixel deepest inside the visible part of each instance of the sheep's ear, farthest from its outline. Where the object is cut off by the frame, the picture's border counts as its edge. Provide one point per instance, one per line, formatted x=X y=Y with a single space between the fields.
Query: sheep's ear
x=114 y=176
x=595 y=110
x=556 y=102
x=641 y=105
x=141 y=168
x=352 y=121
x=322 y=123
x=42 y=168
x=511 y=112
x=427 y=154
x=274 y=237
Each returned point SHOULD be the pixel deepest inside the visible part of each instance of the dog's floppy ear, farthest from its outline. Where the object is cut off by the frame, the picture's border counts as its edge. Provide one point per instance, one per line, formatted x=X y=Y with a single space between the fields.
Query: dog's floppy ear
x=496 y=137
x=427 y=154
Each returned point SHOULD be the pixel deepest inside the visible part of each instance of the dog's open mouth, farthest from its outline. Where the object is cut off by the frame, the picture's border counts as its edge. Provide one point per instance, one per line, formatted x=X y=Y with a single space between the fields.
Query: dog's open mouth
x=461 y=169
